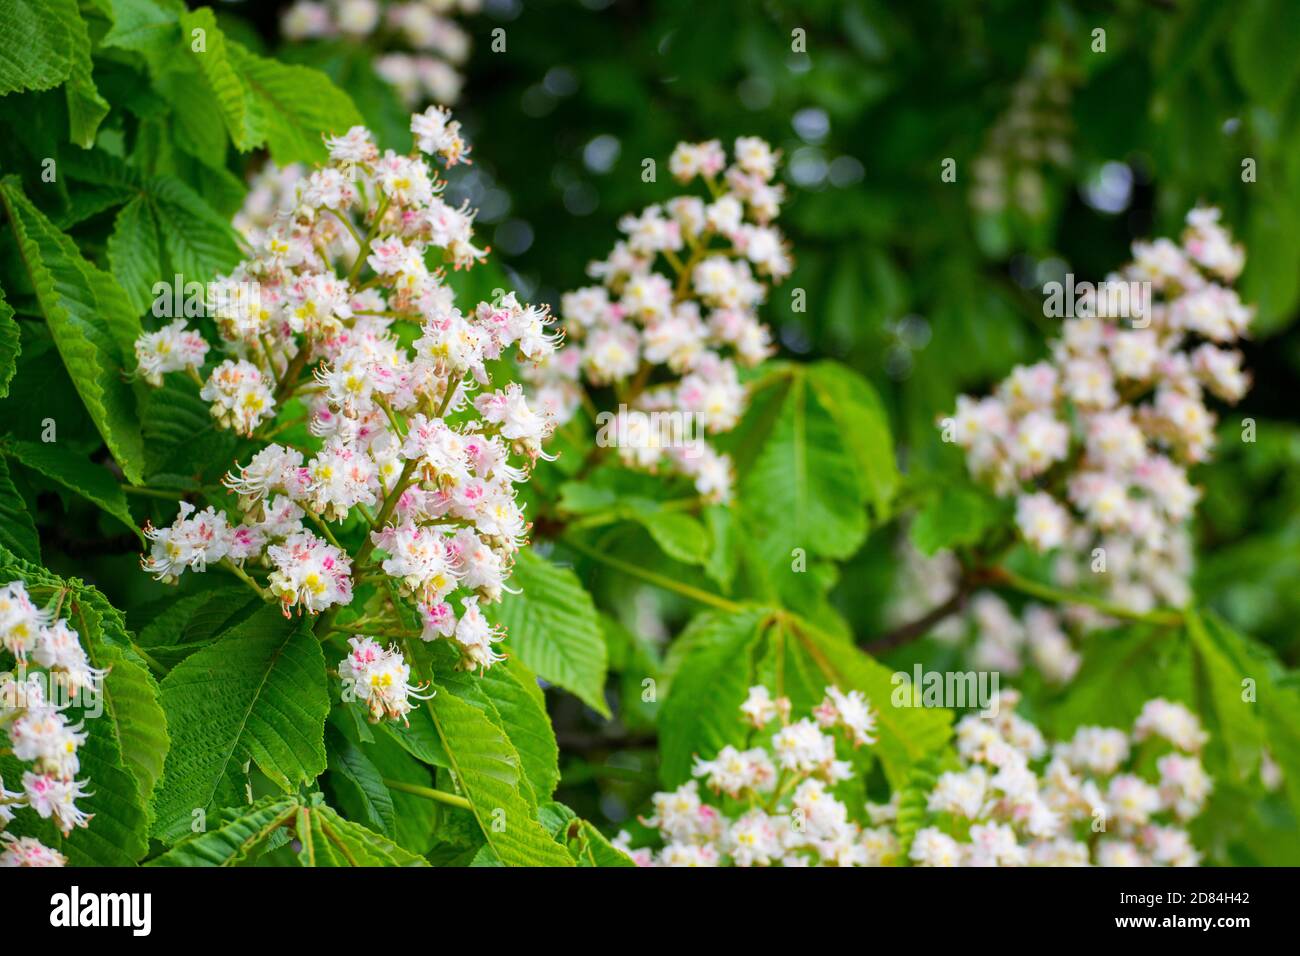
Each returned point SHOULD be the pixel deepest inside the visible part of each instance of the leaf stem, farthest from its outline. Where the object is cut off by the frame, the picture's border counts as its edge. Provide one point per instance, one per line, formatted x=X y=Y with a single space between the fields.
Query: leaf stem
x=442 y=796
x=153 y=492
x=659 y=580
x=1000 y=577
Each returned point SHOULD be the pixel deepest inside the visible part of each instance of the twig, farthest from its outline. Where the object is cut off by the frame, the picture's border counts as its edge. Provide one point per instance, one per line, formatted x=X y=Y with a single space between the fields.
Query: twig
x=906 y=633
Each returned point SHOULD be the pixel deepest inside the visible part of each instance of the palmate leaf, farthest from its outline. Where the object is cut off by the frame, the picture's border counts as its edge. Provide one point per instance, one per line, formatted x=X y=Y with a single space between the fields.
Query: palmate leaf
x=126 y=739
x=260 y=694
x=92 y=322
x=553 y=628
x=324 y=838
x=487 y=768
x=34 y=47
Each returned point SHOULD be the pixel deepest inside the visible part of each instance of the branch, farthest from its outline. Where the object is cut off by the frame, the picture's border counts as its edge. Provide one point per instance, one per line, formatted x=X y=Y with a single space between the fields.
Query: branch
x=906 y=633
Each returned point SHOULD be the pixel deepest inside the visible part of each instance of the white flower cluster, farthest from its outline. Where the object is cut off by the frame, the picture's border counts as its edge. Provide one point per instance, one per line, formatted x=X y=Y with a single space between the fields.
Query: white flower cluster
x=380 y=678
x=1111 y=422
x=32 y=712
x=400 y=442
x=1017 y=801
x=426 y=27
x=1029 y=138
x=677 y=309
x=776 y=800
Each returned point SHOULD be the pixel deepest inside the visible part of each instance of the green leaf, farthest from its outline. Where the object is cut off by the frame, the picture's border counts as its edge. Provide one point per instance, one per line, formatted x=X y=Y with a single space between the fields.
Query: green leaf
x=133 y=700
x=912 y=803
x=329 y=840
x=166 y=231
x=711 y=663
x=953 y=517
x=418 y=736
x=864 y=428
x=414 y=818
x=17 y=531
x=134 y=254
x=348 y=761
x=10 y=345
x=521 y=711
x=724 y=552
x=1265 y=49
x=79 y=475
x=1233 y=718
x=181 y=436
x=147 y=27
x=552 y=626
x=234 y=98
x=92 y=322
x=198 y=243
x=804 y=490
x=487 y=768
x=257 y=694
x=295 y=105
x=33 y=47
x=189 y=623
x=239 y=834
x=596 y=850
x=86 y=108
x=618 y=495
x=681 y=536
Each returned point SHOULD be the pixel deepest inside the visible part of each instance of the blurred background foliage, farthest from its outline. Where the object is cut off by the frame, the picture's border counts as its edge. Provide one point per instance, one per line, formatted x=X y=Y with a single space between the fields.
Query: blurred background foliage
x=1063 y=153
